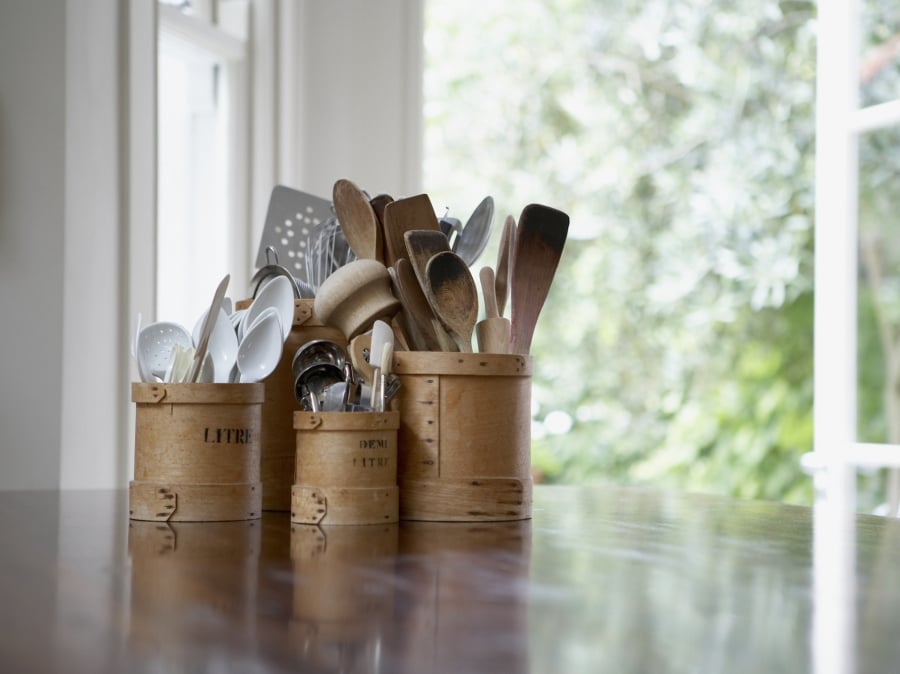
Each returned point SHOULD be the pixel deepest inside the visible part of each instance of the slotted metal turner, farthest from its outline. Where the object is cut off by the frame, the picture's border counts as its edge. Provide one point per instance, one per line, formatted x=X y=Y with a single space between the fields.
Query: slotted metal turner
x=294 y=223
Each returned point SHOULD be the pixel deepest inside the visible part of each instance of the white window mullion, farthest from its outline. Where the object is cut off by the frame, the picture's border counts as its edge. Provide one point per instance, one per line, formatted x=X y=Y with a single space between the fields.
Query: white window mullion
x=836 y=233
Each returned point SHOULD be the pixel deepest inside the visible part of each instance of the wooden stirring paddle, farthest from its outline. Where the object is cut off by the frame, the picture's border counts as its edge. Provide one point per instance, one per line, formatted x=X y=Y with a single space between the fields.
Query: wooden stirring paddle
x=540 y=237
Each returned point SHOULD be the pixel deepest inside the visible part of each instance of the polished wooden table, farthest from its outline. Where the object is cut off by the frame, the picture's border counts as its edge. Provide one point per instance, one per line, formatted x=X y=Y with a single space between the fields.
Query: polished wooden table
x=601 y=580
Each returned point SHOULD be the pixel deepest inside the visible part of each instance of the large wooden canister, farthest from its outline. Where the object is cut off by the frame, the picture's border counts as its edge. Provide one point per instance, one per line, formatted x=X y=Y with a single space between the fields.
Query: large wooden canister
x=196 y=452
x=346 y=470
x=464 y=445
x=277 y=445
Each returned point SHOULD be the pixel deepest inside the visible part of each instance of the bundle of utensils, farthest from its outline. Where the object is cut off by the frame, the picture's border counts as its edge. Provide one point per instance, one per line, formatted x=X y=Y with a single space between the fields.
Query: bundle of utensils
x=225 y=346
x=329 y=379
x=407 y=272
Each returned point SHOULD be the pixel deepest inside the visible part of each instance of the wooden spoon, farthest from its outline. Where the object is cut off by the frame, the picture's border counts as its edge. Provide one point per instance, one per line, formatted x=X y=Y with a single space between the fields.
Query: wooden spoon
x=501 y=278
x=540 y=237
x=358 y=221
x=492 y=333
x=403 y=215
x=452 y=294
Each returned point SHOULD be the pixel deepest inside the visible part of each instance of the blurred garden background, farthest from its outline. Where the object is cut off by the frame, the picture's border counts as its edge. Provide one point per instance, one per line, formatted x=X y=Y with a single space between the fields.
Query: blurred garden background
x=676 y=346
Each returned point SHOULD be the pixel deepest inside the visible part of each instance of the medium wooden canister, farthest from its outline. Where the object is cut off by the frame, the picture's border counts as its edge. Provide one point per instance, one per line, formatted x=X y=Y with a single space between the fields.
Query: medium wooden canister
x=277 y=445
x=346 y=470
x=196 y=452
x=464 y=445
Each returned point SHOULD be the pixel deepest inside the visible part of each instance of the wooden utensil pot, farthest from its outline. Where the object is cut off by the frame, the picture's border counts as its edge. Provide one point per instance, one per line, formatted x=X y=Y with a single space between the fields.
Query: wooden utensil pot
x=346 y=468
x=196 y=452
x=465 y=436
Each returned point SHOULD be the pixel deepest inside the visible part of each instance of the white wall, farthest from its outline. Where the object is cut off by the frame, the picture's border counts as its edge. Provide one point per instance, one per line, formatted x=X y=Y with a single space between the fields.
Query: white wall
x=32 y=201
x=360 y=78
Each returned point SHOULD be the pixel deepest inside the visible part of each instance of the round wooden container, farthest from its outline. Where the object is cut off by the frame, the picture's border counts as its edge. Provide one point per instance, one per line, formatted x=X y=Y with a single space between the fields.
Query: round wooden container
x=464 y=445
x=277 y=445
x=346 y=471
x=196 y=452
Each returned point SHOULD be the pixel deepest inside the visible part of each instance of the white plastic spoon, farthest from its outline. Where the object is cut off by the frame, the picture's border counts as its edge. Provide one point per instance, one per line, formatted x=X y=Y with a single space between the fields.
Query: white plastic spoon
x=279 y=294
x=260 y=349
x=223 y=345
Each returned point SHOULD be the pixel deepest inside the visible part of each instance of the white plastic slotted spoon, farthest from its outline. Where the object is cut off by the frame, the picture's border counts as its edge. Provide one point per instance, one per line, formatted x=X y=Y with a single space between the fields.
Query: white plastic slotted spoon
x=260 y=349
x=155 y=344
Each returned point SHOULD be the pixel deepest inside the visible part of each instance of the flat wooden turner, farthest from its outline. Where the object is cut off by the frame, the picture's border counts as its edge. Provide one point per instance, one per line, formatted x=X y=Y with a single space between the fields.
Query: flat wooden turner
x=540 y=237
x=404 y=215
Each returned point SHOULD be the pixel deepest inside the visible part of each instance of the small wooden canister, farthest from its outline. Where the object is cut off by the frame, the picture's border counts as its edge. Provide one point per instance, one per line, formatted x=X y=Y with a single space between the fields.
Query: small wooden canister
x=196 y=452
x=465 y=436
x=346 y=470
x=277 y=445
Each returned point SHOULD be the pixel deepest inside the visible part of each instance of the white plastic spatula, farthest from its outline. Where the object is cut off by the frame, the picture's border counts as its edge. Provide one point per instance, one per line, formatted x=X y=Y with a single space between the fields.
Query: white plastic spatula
x=381 y=334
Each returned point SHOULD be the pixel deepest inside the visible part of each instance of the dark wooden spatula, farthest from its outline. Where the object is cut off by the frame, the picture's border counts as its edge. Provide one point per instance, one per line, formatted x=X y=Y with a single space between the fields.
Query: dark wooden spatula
x=540 y=237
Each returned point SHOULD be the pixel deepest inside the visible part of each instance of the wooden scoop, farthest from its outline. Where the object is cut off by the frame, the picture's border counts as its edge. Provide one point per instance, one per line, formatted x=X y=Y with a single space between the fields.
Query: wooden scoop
x=358 y=221
x=492 y=333
x=540 y=237
x=453 y=296
x=404 y=215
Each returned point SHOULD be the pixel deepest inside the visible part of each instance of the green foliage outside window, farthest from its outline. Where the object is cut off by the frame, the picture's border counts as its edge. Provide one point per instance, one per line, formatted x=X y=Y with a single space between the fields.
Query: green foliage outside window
x=676 y=346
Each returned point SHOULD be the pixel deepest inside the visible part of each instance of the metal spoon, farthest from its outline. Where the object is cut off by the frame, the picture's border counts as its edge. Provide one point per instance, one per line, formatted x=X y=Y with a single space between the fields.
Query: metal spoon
x=473 y=238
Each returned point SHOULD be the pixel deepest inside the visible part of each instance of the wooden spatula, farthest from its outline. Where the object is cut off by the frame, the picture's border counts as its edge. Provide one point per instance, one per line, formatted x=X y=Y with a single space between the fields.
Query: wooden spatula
x=416 y=307
x=501 y=278
x=403 y=215
x=540 y=238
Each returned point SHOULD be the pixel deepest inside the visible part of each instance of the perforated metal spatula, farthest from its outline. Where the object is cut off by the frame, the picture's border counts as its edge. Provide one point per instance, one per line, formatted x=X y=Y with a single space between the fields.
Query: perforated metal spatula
x=294 y=222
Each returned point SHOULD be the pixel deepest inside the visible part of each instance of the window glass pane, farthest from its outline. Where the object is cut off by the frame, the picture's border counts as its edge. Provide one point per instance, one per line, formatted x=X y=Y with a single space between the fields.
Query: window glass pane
x=675 y=347
x=879 y=300
x=880 y=52
x=193 y=232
